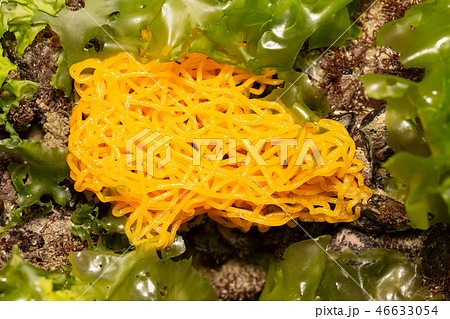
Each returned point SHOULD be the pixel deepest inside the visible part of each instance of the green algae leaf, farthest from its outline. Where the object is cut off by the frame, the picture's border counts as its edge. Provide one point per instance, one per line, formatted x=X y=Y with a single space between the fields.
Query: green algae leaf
x=21 y=17
x=13 y=91
x=85 y=222
x=337 y=31
x=5 y=67
x=274 y=31
x=418 y=113
x=109 y=229
x=378 y=273
x=138 y=275
x=135 y=275
x=308 y=272
x=50 y=7
x=45 y=167
x=304 y=101
x=22 y=281
x=297 y=276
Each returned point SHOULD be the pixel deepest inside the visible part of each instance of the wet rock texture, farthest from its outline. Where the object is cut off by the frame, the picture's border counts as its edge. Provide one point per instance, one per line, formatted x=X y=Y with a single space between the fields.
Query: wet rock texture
x=75 y=5
x=435 y=258
x=237 y=280
x=45 y=241
x=46 y=116
x=340 y=68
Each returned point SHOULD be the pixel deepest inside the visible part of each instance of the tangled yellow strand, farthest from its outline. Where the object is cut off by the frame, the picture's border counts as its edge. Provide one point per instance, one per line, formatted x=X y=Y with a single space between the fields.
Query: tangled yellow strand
x=201 y=99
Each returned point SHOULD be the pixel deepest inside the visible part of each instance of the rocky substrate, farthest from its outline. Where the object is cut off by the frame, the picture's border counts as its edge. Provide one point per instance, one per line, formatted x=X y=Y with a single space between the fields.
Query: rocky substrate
x=228 y=257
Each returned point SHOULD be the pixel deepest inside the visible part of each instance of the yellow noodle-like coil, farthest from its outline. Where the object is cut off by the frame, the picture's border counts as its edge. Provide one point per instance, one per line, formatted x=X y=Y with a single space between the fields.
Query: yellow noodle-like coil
x=201 y=99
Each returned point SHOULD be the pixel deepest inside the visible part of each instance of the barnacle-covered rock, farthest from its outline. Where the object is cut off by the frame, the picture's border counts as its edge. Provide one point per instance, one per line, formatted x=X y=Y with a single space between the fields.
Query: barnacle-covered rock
x=382 y=214
x=237 y=280
x=348 y=238
x=45 y=241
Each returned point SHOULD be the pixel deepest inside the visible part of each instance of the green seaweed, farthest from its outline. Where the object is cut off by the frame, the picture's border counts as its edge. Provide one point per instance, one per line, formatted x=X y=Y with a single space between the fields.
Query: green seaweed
x=109 y=229
x=44 y=168
x=22 y=281
x=21 y=17
x=134 y=275
x=274 y=31
x=308 y=272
